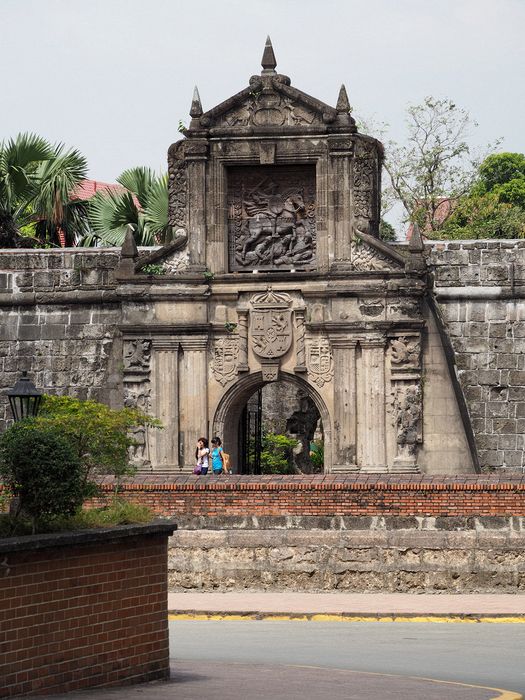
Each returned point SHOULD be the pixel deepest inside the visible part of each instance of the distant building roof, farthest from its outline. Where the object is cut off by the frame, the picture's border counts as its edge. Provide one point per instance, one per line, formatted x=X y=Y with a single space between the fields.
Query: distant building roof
x=88 y=188
x=443 y=211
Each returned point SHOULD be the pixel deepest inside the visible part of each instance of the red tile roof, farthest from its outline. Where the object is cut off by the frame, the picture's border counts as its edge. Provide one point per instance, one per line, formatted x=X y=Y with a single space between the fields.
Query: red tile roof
x=88 y=188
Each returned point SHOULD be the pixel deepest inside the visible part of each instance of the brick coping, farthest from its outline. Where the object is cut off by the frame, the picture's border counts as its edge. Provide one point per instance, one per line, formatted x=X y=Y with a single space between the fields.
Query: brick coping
x=320 y=482
x=83 y=537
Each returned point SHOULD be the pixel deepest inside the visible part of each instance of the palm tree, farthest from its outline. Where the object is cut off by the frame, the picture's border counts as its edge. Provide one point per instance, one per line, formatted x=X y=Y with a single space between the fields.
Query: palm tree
x=142 y=204
x=36 y=181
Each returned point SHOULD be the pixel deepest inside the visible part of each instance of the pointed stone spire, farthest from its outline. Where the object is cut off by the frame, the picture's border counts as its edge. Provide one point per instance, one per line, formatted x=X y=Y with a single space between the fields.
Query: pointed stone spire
x=196 y=106
x=416 y=245
x=343 y=105
x=268 y=60
x=129 y=247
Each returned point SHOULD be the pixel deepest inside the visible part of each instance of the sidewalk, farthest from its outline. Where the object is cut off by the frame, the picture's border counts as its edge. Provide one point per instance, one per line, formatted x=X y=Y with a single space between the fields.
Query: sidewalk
x=264 y=604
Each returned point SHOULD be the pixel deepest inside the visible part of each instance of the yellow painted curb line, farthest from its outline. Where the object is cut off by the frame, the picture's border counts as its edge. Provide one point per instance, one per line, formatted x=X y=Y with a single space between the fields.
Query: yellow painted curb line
x=503 y=694
x=342 y=617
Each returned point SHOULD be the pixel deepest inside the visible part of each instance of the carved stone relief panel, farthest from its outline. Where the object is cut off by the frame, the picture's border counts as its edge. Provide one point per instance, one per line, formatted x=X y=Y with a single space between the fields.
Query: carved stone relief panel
x=269 y=109
x=225 y=357
x=408 y=422
x=178 y=216
x=137 y=393
x=271 y=217
x=364 y=173
x=405 y=353
x=365 y=258
x=271 y=324
x=319 y=361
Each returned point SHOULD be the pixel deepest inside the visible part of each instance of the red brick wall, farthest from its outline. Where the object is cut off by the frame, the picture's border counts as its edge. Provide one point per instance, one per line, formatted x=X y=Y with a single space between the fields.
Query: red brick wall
x=328 y=495
x=84 y=615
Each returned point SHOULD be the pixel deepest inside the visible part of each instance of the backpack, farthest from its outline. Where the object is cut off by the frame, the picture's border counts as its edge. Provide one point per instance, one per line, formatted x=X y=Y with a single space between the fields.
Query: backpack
x=226 y=464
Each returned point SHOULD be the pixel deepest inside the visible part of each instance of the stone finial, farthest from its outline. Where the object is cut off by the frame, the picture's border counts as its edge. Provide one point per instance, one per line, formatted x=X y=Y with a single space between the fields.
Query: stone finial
x=196 y=106
x=343 y=105
x=416 y=245
x=129 y=247
x=268 y=60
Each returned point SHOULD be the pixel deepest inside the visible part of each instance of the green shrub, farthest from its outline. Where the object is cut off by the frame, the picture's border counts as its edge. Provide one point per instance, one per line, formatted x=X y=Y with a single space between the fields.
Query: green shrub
x=40 y=468
x=276 y=454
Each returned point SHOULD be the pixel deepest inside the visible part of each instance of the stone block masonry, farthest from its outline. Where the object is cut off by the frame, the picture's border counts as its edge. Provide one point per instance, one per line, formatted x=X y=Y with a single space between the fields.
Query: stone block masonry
x=85 y=609
x=480 y=291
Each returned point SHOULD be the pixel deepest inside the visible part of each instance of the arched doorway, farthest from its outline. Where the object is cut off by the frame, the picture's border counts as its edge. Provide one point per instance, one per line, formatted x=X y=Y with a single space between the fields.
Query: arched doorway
x=228 y=414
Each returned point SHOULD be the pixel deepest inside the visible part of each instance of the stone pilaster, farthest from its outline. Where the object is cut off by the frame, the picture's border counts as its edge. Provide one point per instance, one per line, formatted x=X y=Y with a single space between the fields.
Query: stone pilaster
x=196 y=154
x=371 y=427
x=163 y=443
x=345 y=404
x=193 y=393
x=242 y=330
x=300 y=352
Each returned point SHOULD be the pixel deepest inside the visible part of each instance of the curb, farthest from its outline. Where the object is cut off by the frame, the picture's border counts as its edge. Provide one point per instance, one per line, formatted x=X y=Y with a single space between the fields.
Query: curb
x=496 y=618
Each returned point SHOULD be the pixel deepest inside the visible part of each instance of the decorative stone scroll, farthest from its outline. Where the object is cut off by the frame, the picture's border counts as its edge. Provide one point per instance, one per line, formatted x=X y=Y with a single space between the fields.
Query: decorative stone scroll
x=225 y=356
x=365 y=258
x=271 y=217
x=320 y=363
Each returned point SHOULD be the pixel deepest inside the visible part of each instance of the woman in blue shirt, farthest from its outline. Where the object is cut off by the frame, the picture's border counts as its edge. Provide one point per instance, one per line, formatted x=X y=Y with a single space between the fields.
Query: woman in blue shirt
x=216 y=456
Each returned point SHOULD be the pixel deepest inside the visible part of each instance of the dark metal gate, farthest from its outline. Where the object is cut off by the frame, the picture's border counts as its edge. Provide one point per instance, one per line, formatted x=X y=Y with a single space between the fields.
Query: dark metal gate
x=250 y=435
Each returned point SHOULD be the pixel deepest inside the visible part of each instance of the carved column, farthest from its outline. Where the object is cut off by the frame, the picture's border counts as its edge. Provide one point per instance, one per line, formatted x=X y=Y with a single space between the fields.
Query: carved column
x=372 y=419
x=345 y=404
x=339 y=201
x=196 y=153
x=193 y=393
x=166 y=398
x=300 y=352
x=242 y=330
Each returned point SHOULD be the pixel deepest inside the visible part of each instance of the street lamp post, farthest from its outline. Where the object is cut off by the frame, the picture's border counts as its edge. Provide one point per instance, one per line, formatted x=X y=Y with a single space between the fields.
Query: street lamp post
x=24 y=398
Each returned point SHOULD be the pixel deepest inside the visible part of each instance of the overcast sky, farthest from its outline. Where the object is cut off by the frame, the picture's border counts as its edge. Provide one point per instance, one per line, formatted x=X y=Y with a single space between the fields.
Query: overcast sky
x=114 y=77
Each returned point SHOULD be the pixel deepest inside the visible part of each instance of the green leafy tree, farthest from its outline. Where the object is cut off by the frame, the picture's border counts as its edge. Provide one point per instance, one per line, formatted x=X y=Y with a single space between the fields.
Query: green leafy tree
x=495 y=205
x=386 y=231
x=143 y=206
x=276 y=454
x=100 y=436
x=36 y=182
x=435 y=163
x=41 y=471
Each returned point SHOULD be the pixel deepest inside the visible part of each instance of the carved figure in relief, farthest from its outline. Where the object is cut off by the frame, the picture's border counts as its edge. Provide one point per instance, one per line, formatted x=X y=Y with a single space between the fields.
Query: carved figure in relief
x=272 y=221
x=405 y=351
x=408 y=417
x=137 y=354
x=320 y=362
x=224 y=363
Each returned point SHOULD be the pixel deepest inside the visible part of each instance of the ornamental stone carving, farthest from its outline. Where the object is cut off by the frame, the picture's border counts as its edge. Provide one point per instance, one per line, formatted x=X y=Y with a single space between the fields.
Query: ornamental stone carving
x=408 y=420
x=178 y=215
x=225 y=357
x=137 y=355
x=271 y=324
x=365 y=258
x=268 y=109
x=320 y=363
x=271 y=217
x=405 y=352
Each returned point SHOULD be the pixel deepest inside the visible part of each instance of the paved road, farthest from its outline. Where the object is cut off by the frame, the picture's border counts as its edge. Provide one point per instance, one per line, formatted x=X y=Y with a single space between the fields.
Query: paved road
x=478 y=653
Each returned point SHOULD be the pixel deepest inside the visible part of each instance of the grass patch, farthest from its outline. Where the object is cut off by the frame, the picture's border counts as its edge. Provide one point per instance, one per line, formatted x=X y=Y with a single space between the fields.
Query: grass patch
x=118 y=512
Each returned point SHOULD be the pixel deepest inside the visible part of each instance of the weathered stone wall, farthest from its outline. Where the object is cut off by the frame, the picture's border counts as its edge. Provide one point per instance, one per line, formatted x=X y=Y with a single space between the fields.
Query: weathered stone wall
x=356 y=554
x=58 y=320
x=60 y=312
x=479 y=287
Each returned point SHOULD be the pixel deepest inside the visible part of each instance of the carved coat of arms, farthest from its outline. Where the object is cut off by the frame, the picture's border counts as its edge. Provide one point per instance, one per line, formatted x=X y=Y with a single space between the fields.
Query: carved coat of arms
x=224 y=363
x=320 y=362
x=271 y=324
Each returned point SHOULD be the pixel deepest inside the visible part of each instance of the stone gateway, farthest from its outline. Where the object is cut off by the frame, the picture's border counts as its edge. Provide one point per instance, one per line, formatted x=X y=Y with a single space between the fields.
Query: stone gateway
x=277 y=272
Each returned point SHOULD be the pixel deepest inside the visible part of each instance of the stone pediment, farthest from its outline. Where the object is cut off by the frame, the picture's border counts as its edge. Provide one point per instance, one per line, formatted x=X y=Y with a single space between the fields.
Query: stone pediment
x=269 y=102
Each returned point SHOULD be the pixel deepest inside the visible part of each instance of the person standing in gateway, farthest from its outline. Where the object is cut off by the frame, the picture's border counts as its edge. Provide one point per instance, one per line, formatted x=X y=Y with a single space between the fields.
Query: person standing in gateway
x=217 y=464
